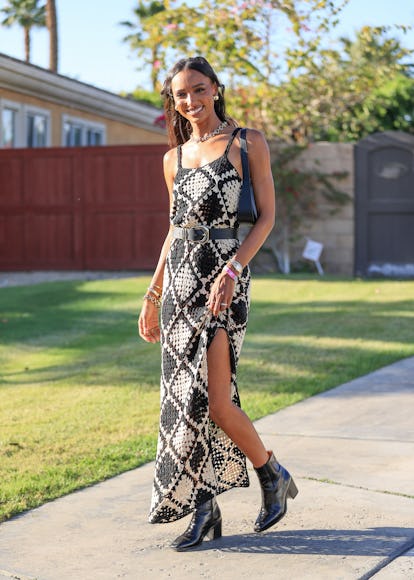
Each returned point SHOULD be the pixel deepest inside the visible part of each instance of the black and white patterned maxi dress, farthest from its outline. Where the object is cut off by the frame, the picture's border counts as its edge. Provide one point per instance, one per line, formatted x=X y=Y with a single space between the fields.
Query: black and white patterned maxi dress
x=195 y=459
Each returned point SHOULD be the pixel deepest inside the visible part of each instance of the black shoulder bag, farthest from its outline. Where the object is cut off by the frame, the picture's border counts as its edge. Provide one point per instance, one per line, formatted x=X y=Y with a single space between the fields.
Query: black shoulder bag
x=247 y=206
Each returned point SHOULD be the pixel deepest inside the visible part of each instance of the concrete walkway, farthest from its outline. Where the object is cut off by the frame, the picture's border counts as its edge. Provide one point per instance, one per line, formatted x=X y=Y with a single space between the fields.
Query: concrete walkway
x=351 y=451
x=9 y=279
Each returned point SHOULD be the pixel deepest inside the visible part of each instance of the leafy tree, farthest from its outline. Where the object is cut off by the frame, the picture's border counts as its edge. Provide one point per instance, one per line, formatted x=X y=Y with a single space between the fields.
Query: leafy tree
x=333 y=97
x=235 y=36
x=391 y=107
x=51 y=22
x=27 y=14
x=386 y=108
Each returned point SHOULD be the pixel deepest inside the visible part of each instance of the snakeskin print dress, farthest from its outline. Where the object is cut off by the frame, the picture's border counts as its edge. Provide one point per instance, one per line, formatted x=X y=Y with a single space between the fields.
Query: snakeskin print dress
x=195 y=459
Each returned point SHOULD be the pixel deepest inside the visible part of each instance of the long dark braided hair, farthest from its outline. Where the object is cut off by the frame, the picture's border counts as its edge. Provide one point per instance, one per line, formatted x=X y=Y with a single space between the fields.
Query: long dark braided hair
x=179 y=129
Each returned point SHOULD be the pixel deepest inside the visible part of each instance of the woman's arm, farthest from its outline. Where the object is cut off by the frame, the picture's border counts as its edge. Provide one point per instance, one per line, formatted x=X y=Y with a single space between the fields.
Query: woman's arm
x=148 y=324
x=264 y=192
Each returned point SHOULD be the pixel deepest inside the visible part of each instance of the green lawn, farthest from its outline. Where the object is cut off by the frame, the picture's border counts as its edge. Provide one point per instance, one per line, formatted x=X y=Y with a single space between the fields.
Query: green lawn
x=79 y=390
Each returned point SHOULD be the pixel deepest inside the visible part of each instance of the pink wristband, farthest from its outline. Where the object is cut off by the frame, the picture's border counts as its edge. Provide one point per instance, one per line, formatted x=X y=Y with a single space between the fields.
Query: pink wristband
x=229 y=272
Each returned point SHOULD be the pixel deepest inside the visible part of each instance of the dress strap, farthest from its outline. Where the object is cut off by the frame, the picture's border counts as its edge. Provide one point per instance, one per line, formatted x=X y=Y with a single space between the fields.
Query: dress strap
x=232 y=136
x=179 y=156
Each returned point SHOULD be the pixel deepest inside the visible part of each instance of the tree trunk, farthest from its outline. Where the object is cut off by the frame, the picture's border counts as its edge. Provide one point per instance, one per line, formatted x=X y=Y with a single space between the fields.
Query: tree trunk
x=279 y=245
x=154 y=69
x=284 y=255
x=27 y=43
x=51 y=22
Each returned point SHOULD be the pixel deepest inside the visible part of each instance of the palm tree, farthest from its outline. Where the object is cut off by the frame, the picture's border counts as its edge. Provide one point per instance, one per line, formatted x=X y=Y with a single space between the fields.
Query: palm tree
x=51 y=21
x=27 y=14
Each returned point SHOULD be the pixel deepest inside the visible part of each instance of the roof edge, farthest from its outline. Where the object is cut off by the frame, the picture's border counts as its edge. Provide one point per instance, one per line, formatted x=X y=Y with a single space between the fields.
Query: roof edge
x=39 y=82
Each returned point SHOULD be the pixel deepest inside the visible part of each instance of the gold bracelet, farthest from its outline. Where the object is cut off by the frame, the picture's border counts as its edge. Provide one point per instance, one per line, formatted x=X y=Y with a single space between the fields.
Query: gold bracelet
x=153 y=291
x=153 y=299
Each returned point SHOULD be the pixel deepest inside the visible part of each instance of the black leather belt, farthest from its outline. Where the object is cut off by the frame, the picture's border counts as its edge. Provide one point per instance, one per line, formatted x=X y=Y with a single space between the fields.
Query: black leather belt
x=202 y=234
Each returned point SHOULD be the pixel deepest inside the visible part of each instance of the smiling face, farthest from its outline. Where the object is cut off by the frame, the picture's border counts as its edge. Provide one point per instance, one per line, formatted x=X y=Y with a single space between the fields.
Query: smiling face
x=193 y=94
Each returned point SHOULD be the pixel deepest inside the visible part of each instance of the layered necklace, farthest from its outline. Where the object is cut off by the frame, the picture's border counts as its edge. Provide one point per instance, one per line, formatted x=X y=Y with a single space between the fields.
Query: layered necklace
x=207 y=136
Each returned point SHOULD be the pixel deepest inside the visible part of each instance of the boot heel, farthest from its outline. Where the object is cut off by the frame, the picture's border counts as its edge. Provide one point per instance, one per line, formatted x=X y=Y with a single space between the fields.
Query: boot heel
x=292 y=489
x=215 y=532
x=206 y=521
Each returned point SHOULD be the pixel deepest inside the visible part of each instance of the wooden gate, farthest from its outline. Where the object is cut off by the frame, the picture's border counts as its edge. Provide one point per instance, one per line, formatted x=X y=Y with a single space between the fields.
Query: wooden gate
x=82 y=208
x=384 y=205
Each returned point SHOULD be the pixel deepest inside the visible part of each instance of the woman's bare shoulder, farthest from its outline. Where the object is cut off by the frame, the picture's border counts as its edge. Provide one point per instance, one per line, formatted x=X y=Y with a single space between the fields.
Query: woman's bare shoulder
x=170 y=157
x=170 y=163
x=256 y=141
x=255 y=136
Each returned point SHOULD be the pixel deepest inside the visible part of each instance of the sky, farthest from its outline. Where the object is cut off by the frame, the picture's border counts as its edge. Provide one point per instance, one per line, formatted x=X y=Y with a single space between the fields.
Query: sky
x=91 y=47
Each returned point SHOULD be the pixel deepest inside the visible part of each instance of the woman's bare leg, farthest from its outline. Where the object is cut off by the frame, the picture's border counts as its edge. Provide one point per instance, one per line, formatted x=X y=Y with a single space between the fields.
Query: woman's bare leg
x=228 y=416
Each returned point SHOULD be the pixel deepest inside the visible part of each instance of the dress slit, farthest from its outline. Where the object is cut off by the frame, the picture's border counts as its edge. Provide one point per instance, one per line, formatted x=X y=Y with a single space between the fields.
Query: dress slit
x=232 y=355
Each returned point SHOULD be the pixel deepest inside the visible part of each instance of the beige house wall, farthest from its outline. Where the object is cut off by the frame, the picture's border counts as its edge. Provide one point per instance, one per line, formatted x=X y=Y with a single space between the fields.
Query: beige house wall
x=335 y=231
x=123 y=134
x=117 y=133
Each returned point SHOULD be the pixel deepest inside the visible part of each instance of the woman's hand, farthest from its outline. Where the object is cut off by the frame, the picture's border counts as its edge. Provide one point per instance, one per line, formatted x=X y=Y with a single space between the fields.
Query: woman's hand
x=221 y=294
x=148 y=325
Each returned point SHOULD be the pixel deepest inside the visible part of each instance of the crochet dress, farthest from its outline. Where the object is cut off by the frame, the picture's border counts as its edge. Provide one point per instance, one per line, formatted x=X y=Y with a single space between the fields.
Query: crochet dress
x=195 y=459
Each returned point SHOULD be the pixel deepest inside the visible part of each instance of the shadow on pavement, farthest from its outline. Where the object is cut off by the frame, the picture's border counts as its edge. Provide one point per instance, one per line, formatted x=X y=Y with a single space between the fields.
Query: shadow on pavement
x=370 y=542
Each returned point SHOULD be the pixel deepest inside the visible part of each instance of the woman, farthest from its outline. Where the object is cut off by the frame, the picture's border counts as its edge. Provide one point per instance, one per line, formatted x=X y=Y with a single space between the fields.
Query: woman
x=204 y=279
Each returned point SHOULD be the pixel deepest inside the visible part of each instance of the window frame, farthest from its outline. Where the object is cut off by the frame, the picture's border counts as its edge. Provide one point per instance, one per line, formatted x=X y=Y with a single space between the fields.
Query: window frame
x=19 y=126
x=85 y=125
x=33 y=110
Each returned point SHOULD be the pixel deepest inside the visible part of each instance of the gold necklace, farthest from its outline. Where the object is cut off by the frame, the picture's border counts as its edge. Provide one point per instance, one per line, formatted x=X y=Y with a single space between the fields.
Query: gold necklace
x=216 y=131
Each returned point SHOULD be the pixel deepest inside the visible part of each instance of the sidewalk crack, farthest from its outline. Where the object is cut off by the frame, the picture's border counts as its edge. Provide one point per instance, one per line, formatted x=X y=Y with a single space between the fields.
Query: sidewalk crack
x=406 y=547
x=332 y=436
x=332 y=482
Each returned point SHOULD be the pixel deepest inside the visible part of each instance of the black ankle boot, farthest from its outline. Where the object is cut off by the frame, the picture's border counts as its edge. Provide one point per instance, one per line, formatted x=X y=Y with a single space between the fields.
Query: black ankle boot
x=206 y=521
x=276 y=484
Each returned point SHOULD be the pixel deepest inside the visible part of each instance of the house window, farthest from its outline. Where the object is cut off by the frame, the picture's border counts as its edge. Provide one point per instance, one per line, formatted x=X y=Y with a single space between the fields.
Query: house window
x=36 y=133
x=81 y=132
x=23 y=125
x=72 y=134
x=11 y=124
x=8 y=127
x=94 y=137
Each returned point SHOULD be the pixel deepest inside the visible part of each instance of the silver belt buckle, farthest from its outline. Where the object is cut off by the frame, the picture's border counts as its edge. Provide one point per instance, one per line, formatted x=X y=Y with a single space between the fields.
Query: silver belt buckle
x=206 y=234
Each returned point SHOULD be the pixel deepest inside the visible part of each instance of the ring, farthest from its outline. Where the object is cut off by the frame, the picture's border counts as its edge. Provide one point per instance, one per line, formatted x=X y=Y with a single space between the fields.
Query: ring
x=223 y=303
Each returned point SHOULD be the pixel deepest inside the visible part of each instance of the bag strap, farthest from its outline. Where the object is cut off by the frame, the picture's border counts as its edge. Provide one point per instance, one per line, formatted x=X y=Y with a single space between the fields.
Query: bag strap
x=244 y=159
x=247 y=205
x=179 y=156
x=230 y=143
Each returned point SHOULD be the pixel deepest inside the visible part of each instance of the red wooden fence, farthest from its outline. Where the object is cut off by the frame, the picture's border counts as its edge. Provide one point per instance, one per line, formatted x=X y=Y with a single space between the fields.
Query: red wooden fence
x=82 y=208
